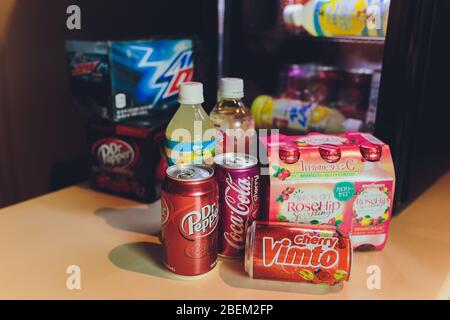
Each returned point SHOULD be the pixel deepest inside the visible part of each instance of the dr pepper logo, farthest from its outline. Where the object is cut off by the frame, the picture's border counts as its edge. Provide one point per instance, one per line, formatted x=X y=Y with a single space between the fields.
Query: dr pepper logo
x=164 y=211
x=200 y=223
x=113 y=153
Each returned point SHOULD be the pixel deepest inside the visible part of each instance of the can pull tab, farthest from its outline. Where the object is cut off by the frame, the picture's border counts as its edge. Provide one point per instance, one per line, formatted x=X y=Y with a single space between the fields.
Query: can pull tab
x=186 y=174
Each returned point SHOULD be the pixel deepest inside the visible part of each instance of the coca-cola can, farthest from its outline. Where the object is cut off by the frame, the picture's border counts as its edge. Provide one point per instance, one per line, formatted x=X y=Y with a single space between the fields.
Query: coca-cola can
x=189 y=219
x=318 y=254
x=239 y=183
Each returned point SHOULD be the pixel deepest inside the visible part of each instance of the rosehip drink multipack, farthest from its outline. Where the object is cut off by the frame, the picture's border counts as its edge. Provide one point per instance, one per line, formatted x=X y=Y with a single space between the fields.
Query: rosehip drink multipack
x=346 y=180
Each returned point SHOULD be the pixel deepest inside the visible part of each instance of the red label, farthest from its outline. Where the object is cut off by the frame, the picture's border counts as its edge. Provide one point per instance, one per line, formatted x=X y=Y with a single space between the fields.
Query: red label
x=84 y=68
x=241 y=202
x=189 y=231
x=112 y=153
x=297 y=252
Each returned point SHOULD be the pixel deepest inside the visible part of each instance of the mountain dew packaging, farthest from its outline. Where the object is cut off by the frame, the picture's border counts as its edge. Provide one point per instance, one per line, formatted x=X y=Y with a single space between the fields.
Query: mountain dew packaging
x=346 y=180
x=119 y=80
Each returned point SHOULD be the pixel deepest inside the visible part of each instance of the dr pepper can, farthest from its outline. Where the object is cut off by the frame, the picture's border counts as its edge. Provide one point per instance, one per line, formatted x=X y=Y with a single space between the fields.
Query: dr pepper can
x=238 y=177
x=189 y=218
x=297 y=252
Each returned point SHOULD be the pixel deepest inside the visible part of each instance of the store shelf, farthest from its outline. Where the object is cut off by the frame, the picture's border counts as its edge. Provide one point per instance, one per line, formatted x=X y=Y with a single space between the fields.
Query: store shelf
x=282 y=35
x=301 y=36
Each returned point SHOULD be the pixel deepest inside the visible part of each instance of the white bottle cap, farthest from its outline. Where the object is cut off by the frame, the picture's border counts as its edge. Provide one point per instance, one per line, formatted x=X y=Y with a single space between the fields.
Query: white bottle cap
x=190 y=93
x=231 y=88
x=293 y=14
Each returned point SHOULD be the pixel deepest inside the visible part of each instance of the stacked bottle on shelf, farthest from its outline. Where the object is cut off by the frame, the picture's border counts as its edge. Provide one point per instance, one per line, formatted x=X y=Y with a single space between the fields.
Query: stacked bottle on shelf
x=320 y=98
x=337 y=18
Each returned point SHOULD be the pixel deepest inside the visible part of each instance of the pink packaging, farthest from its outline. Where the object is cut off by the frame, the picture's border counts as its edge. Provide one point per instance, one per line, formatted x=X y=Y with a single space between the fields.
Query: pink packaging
x=346 y=180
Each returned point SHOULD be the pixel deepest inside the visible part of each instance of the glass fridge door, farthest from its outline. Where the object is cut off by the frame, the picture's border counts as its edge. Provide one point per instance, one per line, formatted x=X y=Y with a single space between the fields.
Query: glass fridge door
x=308 y=65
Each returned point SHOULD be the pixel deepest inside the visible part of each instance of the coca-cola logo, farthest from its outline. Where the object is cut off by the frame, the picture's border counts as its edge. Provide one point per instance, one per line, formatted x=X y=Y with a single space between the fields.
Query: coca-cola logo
x=239 y=199
x=200 y=223
x=114 y=153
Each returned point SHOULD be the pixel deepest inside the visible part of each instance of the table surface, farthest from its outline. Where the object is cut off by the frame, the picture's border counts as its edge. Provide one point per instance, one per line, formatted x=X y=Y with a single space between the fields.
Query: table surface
x=114 y=243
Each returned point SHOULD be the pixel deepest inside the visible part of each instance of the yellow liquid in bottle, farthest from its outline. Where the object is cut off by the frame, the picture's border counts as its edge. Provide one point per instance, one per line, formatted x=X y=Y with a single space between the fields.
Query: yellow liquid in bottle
x=190 y=136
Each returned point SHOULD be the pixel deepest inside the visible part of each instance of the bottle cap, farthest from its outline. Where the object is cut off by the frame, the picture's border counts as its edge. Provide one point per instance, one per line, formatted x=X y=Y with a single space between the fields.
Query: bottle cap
x=232 y=88
x=191 y=93
x=293 y=14
x=371 y=152
x=289 y=153
x=330 y=153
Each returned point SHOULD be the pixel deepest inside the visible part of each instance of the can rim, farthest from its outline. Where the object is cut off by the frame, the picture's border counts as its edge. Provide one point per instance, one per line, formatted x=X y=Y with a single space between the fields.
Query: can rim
x=219 y=160
x=207 y=168
x=249 y=244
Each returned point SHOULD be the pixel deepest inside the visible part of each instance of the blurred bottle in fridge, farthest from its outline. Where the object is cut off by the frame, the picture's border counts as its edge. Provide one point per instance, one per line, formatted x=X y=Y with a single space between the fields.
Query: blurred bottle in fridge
x=329 y=18
x=354 y=93
x=190 y=135
x=283 y=4
x=314 y=97
x=293 y=115
x=302 y=104
x=233 y=120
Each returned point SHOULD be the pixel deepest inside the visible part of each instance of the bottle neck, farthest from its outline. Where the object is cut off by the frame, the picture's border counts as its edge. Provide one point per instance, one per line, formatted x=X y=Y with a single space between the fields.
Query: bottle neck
x=191 y=105
x=231 y=99
x=231 y=102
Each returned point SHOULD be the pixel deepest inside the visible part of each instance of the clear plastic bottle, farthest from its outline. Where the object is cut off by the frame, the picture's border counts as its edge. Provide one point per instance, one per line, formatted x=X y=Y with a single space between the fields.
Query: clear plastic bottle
x=330 y=18
x=190 y=135
x=233 y=120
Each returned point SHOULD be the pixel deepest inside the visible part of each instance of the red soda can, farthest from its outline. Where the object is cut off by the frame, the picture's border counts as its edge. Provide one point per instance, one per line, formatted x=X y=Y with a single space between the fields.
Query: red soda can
x=189 y=218
x=239 y=183
x=297 y=252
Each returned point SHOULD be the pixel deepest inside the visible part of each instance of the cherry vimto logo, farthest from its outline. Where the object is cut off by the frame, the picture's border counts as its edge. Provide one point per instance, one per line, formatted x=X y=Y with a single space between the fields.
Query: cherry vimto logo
x=200 y=223
x=114 y=153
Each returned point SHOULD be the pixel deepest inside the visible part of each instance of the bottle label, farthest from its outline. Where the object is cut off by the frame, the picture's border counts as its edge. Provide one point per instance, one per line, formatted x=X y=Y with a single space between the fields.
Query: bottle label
x=292 y=114
x=190 y=152
x=340 y=18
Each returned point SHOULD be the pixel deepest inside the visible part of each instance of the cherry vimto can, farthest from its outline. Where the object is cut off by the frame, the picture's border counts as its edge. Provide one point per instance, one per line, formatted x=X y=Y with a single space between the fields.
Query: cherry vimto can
x=239 y=185
x=297 y=252
x=189 y=219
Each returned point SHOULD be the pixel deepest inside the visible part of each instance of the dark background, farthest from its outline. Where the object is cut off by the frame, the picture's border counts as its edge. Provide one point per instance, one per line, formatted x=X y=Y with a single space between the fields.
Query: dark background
x=42 y=137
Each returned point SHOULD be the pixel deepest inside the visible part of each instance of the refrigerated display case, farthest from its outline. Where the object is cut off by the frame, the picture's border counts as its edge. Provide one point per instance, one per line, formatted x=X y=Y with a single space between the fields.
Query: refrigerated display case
x=375 y=76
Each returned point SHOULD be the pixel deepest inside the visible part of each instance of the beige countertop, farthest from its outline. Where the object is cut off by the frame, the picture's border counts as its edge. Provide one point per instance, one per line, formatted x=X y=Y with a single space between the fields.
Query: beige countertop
x=114 y=243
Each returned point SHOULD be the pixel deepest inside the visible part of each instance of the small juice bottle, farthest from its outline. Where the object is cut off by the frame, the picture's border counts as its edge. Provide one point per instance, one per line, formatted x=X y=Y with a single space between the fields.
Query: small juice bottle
x=190 y=135
x=233 y=120
x=330 y=18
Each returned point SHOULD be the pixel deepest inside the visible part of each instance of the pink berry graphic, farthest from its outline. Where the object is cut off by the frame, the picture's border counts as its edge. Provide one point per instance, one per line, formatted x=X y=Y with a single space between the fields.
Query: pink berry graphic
x=285 y=197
